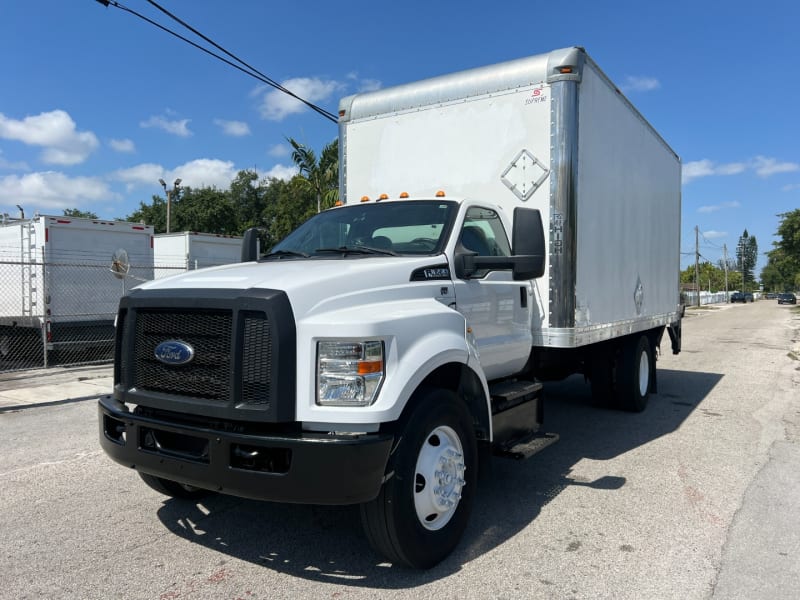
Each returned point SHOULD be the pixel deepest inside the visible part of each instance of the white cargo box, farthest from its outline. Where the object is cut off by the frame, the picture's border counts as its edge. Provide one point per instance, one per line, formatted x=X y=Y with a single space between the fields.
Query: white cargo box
x=59 y=268
x=189 y=250
x=549 y=132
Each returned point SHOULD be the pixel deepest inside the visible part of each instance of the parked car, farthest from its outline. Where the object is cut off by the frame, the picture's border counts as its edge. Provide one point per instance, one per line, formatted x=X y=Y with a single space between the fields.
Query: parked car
x=741 y=297
x=787 y=298
x=770 y=296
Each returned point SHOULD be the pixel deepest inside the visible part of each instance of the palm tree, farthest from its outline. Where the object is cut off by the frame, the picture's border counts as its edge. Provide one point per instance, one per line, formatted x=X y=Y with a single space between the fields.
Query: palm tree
x=322 y=177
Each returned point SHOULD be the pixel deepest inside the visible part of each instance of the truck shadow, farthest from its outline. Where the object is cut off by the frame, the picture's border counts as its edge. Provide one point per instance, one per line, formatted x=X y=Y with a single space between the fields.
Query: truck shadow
x=325 y=544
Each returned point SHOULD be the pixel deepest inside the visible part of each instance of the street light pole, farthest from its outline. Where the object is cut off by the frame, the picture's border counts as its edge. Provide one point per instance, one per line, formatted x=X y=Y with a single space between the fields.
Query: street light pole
x=170 y=193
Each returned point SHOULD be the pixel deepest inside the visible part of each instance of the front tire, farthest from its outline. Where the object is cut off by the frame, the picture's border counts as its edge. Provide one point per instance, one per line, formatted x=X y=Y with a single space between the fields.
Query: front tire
x=423 y=507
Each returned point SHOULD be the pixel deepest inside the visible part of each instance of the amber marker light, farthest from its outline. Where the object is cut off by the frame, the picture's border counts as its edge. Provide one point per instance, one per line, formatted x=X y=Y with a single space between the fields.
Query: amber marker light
x=404 y=195
x=372 y=366
x=365 y=198
x=440 y=194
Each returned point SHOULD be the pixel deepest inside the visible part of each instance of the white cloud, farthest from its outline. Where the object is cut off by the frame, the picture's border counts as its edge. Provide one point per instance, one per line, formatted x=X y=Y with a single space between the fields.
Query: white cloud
x=704 y=168
x=712 y=235
x=176 y=127
x=204 y=172
x=125 y=145
x=196 y=173
x=791 y=187
x=276 y=105
x=56 y=132
x=50 y=190
x=233 y=128
x=363 y=85
x=765 y=167
x=369 y=85
x=282 y=172
x=279 y=151
x=716 y=207
x=640 y=84
x=143 y=174
x=9 y=165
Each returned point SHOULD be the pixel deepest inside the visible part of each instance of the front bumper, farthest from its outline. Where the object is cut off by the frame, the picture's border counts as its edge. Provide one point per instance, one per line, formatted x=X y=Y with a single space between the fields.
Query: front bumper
x=302 y=468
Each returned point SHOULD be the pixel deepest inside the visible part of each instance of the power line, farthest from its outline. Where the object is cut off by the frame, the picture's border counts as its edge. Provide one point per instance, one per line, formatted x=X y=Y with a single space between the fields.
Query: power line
x=246 y=69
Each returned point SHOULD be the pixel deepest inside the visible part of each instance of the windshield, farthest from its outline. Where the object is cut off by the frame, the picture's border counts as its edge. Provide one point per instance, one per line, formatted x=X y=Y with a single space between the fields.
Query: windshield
x=413 y=227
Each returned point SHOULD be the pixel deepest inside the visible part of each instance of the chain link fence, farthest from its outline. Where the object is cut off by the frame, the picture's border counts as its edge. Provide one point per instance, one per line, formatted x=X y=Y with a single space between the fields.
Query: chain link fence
x=62 y=313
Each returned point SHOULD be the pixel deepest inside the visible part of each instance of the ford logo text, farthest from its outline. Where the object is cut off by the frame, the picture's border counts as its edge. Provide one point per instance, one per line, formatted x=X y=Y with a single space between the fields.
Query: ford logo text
x=174 y=352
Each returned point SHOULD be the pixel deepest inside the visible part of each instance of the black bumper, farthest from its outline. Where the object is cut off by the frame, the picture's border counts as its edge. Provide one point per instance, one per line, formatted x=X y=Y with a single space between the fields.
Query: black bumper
x=307 y=468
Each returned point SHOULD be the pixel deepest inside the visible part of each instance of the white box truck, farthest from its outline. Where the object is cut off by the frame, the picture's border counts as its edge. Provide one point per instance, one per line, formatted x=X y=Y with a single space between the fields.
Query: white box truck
x=501 y=226
x=174 y=253
x=59 y=294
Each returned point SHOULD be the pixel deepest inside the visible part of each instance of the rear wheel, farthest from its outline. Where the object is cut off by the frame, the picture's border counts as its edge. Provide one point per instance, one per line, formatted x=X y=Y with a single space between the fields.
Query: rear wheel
x=602 y=371
x=635 y=376
x=422 y=509
x=173 y=488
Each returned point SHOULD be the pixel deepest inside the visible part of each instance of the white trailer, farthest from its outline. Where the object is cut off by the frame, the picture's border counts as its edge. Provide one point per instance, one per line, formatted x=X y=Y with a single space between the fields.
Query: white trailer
x=189 y=250
x=501 y=226
x=59 y=293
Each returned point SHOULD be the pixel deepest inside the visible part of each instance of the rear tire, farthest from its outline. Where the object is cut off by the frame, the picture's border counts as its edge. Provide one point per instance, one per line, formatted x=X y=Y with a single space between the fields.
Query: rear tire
x=173 y=488
x=634 y=378
x=602 y=371
x=423 y=507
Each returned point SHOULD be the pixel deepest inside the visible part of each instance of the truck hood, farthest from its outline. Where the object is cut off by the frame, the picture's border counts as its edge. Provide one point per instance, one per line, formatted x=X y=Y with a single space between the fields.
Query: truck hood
x=315 y=285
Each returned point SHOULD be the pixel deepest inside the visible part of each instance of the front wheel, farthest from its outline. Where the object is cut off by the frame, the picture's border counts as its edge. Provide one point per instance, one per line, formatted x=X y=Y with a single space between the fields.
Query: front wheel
x=422 y=509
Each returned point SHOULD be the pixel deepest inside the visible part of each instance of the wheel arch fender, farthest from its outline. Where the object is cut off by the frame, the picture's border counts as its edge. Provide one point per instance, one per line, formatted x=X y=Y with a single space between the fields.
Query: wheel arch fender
x=469 y=386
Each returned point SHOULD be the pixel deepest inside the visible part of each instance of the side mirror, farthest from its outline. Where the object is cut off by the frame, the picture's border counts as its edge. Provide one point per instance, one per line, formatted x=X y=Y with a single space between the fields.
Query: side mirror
x=250 y=245
x=528 y=244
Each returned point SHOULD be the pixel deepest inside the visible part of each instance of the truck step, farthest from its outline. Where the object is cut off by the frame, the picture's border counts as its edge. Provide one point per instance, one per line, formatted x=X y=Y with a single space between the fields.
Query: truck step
x=529 y=447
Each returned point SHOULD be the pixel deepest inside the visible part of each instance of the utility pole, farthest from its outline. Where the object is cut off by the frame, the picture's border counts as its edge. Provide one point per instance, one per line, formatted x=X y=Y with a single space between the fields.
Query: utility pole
x=725 y=262
x=170 y=193
x=697 y=264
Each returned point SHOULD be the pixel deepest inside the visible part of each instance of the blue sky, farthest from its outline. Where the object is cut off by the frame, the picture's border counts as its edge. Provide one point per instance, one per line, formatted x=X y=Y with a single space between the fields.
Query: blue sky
x=97 y=105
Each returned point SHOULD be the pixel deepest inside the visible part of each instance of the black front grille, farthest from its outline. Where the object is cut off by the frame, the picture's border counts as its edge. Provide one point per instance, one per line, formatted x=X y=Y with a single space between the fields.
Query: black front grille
x=257 y=360
x=244 y=364
x=208 y=332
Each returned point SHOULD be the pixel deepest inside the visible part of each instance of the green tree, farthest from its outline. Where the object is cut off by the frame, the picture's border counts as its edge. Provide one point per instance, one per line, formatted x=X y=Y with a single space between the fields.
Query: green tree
x=205 y=209
x=789 y=232
x=154 y=214
x=287 y=205
x=711 y=277
x=782 y=271
x=746 y=256
x=79 y=214
x=320 y=177
x=247 y=195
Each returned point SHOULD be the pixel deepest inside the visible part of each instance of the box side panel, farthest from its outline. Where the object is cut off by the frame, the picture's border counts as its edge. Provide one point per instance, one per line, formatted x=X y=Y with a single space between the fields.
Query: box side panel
x=170 y=253
x=11 y=272
x=212 y=250
x=628 y=214
x=493 y=148
x=79 y=284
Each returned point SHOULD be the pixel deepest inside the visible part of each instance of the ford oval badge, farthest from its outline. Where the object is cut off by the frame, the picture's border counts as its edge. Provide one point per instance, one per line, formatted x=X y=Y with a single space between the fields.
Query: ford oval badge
x=174 y=352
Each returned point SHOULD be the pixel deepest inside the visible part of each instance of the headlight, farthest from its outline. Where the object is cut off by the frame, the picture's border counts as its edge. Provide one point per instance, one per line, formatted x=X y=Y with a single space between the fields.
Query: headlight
x=349 y=373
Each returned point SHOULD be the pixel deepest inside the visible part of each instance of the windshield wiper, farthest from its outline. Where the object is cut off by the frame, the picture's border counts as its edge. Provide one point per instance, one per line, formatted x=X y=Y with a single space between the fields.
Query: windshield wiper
x=357 y=250
x=284 y=253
